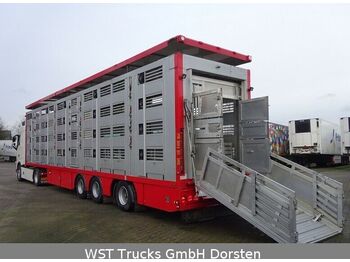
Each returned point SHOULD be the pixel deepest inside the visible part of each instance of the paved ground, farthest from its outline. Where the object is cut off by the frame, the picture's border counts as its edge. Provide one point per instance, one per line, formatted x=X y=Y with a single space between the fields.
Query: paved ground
x=50 y=214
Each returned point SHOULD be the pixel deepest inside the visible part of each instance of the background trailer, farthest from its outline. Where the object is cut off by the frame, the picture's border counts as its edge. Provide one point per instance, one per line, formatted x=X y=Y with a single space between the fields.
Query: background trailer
x=315 y=141
x=175 y=128
x=345 y=135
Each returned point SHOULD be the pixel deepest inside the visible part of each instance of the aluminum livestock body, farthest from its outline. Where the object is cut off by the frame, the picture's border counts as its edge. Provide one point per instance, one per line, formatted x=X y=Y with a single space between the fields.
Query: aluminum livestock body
x=175 y=128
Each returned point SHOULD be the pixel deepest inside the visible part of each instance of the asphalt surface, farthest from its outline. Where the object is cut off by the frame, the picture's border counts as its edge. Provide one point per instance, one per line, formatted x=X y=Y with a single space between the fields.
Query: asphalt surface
x=48 y=214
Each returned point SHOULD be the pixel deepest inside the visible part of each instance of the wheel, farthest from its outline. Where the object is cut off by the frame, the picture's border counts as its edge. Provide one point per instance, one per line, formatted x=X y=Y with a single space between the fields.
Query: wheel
x=19 y=173
x=125 y=196
x=96 y=191
x=37 y=177
x=80 y=187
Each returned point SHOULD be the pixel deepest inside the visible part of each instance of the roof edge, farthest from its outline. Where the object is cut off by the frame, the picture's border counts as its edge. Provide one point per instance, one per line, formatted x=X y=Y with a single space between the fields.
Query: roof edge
x=179 y=39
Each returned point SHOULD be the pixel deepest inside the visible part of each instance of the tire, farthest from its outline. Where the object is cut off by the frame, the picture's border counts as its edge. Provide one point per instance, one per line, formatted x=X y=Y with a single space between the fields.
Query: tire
x=37 y=177
x=80 y=187
x=124 y=196
x=19 y=173
x=96 y=190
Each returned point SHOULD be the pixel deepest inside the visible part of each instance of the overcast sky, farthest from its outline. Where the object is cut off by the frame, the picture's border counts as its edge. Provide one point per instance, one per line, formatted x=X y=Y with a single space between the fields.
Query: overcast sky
x=301 y=53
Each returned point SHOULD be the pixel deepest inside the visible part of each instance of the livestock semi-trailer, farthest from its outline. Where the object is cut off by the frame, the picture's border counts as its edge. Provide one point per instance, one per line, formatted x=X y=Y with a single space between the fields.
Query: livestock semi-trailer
x=345 y=136
x=315 y=141
x=175 y=128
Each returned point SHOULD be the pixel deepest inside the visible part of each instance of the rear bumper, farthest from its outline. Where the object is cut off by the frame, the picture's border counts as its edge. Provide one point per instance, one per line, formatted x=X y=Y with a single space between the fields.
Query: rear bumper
x=305 y=150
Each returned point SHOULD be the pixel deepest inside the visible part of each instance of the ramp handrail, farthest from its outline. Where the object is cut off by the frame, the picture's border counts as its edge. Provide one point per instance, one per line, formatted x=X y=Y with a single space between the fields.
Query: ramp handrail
x=327 y=192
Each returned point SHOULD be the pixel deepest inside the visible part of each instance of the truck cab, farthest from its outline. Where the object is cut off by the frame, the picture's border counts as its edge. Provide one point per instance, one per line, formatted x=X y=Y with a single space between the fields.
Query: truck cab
x=22 y=172
x=18 y=144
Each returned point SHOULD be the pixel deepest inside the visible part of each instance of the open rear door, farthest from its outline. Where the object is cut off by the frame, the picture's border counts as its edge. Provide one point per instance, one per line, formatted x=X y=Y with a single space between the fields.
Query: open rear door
x=208 y=122
x=254 y=140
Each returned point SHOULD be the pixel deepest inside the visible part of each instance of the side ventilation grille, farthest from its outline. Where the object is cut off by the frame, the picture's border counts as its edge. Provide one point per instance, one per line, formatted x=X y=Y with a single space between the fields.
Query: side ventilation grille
x=118 y=86
x=150 y=75
x=153 y=74
x=154 y=154
x=88 y=96
x=105 y=91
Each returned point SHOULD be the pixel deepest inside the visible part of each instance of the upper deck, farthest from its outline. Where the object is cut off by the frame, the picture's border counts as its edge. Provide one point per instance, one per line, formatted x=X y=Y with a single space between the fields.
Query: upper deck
x=176 y=44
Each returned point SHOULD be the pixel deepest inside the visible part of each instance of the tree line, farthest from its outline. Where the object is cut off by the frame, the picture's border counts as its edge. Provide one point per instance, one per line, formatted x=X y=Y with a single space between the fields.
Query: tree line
x=7 y=132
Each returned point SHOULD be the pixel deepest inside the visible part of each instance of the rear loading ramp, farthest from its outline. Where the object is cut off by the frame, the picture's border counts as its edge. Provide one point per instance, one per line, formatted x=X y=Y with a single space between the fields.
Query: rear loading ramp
x=267 y=205
x=270 y=206
x=320 y=199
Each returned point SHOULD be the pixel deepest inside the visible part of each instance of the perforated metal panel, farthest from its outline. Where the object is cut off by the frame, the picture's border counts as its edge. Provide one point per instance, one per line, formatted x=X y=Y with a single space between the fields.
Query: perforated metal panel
x=256 y=109
x=255 y=154
x=254 y=140
x=208 y=122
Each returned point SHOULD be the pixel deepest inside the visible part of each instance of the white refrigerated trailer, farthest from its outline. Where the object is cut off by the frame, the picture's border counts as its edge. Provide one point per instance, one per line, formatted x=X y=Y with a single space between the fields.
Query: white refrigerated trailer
x=315 y=141
x=345 y=136
x=7 y=152
x=175 y=128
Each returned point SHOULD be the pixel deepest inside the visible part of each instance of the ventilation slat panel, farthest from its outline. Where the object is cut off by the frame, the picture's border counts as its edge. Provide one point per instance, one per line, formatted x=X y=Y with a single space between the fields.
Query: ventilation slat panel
x=87 y=134
x=105 y=153
x=119 y=130
x=88 y=115
x=118 y=108
x=105 y=91
x=155 y=127
x=153 y=74
x=105 y=111
x=74 y=102
x=228 y=129
x=228 y=107
x=154 y=154
x=118 y=86
x=61 y=105
x=74 y=135
x=88 y=96
x=105 y=132
x=61 y=121
x=61 y=137
x=87 y=152
x=119 y=153
x=154 y=100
